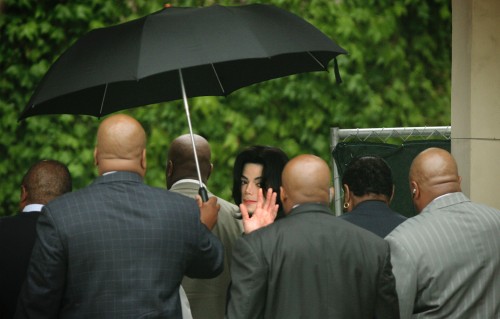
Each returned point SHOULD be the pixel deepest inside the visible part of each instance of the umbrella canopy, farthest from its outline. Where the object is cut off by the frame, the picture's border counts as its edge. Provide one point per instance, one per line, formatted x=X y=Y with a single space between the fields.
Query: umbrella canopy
x=218 y=49
x=179 y=53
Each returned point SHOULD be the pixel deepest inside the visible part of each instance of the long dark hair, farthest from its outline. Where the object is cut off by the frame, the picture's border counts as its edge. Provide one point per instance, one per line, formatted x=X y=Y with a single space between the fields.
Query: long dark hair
x=273 y=161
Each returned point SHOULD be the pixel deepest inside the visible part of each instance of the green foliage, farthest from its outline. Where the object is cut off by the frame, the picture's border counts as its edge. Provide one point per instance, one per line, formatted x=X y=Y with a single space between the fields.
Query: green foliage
x=397 y=73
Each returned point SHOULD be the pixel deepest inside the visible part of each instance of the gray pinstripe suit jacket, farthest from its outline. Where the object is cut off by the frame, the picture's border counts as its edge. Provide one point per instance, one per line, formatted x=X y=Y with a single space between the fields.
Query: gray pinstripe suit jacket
x=117 y=249
x=446 y=260
x=207 y=297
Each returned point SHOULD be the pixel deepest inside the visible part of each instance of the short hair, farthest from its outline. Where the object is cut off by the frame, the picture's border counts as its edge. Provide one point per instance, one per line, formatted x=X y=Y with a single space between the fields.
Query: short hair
x=46 y=180
x=369 y=174
x=273 y=161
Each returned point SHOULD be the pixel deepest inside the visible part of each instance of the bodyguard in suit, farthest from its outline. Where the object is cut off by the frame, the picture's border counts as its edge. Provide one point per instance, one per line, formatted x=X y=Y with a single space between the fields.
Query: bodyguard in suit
x=44 y=181
x=446 y=259
x=118 y=248
x=368 y=191
x=310 y=264
x=207 y=297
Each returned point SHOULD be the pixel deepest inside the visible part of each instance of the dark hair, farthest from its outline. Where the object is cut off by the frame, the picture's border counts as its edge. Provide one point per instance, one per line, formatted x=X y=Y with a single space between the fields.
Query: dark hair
x=273 y=161
x=369 y=174
x=46 y=180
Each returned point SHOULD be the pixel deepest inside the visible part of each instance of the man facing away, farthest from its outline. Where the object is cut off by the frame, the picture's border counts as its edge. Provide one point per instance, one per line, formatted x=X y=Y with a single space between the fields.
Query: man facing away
x=310 y=264
x=44 y=181
x=446 y=259
x=118 y=248
x=368 y=191
x=207 y=297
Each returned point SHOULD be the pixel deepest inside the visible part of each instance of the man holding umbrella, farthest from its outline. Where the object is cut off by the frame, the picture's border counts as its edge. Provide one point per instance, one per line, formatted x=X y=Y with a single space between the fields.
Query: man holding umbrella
x=118 y=248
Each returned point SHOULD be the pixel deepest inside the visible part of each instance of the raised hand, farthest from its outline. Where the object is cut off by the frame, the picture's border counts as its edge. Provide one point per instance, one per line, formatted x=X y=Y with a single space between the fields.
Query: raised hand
x=264 y=213
x=209 y=211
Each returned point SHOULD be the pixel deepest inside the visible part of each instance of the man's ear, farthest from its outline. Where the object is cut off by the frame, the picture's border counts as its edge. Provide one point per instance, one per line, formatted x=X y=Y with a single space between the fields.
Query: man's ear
x=23 y=199
x=392 y=194
x=170 y=168
x=283 y=195
x=347 y=195
x=415 y=191
x=331 y=194
x=143 y=160
x=210 y=171
x=96 y=162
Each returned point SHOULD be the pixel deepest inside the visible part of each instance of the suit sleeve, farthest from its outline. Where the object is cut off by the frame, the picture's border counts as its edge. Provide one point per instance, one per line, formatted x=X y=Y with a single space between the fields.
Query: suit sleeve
x=249 y=282
x=406 y=277
x=42 y=292
x=208 y=261
x=387 y=298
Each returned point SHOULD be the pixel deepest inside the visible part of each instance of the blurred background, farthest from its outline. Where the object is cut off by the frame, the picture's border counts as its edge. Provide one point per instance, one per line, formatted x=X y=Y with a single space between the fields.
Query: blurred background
x=397 y=73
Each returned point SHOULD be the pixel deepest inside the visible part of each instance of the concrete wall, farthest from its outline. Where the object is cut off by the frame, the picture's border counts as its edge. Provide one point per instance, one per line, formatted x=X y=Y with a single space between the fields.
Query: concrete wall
x=475 y=97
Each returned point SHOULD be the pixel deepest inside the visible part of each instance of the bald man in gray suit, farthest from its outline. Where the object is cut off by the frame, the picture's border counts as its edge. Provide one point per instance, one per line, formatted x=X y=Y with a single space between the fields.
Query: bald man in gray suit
x=446 y=260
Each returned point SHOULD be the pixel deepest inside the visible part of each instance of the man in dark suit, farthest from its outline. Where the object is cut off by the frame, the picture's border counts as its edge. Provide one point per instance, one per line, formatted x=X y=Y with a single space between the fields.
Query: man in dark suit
x=207 y=297
x=118 y=248
x=310 y=264
x=368 y=191
x=44 y=181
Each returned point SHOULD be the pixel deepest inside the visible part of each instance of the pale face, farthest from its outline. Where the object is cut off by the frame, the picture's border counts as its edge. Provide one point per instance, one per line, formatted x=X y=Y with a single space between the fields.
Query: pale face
x=250 y=184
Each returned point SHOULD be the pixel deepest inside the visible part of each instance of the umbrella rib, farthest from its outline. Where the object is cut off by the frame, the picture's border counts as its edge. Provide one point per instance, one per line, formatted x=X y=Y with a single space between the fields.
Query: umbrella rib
x=312 y=55
x=218 y=79
x=103 y=98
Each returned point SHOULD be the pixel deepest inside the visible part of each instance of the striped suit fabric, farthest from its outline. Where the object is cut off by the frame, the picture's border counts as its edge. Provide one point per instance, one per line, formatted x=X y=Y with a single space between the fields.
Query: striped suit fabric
x=446 y=260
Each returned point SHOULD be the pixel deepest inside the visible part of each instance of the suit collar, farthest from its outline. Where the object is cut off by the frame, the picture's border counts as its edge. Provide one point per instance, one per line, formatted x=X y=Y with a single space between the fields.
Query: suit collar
x=119 y=176
x=445 y=201
x=310 y=207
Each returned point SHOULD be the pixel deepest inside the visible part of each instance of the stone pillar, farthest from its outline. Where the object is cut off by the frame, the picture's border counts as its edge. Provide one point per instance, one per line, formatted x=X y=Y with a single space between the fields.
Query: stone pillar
x=475 y=97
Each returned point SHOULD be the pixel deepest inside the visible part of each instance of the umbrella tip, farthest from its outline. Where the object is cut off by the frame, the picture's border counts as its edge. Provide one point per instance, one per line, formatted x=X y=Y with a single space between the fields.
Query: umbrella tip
x=167 y=5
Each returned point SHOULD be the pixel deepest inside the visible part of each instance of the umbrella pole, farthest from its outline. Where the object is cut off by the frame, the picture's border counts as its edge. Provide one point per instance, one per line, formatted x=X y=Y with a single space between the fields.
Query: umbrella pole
x=202 y=191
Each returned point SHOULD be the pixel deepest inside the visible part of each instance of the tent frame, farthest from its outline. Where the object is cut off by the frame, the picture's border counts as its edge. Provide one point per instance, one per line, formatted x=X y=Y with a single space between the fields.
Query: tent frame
x=382 y=135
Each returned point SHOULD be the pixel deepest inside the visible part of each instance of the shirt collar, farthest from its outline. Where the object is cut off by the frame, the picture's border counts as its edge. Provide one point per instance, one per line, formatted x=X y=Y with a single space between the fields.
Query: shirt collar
x=188 y=180
x=32 y=208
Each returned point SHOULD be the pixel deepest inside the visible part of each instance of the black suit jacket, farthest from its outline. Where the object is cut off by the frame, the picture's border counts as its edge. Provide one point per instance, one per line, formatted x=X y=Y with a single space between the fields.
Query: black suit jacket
x=375 y=216
x=117 y=249
x=312 y=265
x=17 y=235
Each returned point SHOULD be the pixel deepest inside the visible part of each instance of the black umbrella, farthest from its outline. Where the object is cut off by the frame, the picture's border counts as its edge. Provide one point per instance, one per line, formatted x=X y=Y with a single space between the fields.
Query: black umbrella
x=178 y=53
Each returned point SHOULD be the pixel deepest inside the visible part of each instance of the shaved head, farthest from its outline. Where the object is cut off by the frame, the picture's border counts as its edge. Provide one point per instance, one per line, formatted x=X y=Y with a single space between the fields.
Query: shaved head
x=121 y=145
x=180 y=159
x=305 y=179
x=433 y=173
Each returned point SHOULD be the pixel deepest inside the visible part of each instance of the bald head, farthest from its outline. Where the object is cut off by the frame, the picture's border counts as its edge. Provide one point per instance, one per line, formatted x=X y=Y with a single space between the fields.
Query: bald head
x=433 y=173
x=305 y=179
x=44 y=181
x=121 y=145
x=180 y=159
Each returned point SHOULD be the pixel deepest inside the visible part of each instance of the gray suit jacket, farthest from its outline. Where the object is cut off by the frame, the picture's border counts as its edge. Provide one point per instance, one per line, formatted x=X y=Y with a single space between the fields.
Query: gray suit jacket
x=447 y=260
x=207 y=297
x=117 y=249
x=312 y=265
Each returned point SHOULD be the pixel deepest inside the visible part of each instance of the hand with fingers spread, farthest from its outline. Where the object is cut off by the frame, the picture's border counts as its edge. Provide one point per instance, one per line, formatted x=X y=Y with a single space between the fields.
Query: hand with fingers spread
x=264 y=214
x=209 y=211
